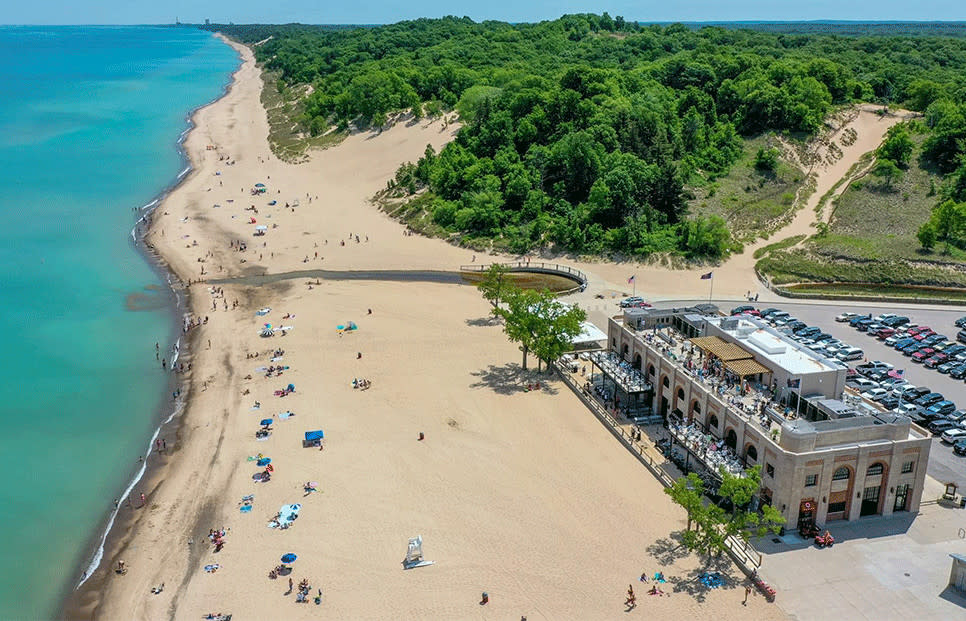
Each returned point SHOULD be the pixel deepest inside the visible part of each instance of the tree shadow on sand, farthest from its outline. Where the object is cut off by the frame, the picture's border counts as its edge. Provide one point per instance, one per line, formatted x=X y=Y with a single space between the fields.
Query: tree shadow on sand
x=691 y=583
x=483 y=322
x=668 y=550
x=510 y=379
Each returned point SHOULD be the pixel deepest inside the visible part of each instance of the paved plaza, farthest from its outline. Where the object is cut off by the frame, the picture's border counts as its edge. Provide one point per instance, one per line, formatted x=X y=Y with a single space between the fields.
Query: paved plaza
x=879 y=568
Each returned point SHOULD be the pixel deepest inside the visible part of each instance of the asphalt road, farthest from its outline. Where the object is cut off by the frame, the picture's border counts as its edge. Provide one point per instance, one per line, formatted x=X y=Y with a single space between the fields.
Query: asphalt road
x=944 y=465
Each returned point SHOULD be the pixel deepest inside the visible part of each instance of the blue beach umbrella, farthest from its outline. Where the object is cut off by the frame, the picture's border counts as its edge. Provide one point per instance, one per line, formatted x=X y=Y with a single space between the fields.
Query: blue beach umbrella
x=288 y=558
x=259 y=185
x=266 y=422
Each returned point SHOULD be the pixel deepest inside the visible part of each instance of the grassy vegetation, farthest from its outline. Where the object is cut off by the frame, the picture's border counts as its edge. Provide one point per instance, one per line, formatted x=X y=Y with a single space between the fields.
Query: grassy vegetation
x=288 y=136
x=872 y=238
x=754 y=204
x=538 y=282
x=788 y=242
x=871 y=290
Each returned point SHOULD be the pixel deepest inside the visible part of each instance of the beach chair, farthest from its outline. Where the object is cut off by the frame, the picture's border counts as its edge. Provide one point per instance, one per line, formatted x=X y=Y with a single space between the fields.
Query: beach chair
x=414 y=554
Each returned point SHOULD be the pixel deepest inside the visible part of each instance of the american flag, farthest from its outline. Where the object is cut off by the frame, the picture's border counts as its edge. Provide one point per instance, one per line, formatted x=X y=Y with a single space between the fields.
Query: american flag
x=706 y=276
x=631 y=279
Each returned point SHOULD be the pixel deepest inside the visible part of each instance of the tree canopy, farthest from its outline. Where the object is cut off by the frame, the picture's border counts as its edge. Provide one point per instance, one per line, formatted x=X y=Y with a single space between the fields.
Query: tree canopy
x=584 y=132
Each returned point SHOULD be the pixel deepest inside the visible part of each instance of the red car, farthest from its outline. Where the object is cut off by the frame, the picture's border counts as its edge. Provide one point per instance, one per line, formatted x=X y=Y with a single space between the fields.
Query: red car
x=924 y=334
x=884 y=333
x=916 y=330
x=922 y=354
x=936 y=360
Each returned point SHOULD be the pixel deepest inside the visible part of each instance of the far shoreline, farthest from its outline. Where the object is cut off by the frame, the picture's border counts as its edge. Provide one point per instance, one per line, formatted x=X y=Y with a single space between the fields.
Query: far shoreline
x=113 y=532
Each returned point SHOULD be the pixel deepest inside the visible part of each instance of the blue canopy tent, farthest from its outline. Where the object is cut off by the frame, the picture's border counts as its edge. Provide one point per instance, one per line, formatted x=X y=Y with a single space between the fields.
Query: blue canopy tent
x=313 y=438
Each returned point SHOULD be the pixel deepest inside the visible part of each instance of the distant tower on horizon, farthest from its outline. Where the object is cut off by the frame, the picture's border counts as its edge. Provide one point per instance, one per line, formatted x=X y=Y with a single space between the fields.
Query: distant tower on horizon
x=207 y=22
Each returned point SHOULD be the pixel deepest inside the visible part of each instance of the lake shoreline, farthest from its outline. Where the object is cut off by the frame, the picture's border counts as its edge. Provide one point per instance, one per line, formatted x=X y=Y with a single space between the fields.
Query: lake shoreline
x=114 y=532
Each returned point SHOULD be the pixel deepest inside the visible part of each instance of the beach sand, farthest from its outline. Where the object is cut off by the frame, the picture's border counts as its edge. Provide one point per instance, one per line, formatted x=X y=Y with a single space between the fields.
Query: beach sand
x=524 y=495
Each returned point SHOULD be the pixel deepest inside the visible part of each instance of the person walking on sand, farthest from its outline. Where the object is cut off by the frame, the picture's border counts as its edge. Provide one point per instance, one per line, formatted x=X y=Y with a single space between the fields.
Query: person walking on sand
x=290 y=587
x=631 y=600
x=747 y=593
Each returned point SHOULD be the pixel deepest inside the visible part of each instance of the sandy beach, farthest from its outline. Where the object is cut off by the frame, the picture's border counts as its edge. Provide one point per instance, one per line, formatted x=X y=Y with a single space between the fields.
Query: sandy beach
x=520 y=494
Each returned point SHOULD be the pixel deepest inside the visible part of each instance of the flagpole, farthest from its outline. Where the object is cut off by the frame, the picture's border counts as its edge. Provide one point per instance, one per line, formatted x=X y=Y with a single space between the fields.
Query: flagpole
x=711 y=291
x=635 y=284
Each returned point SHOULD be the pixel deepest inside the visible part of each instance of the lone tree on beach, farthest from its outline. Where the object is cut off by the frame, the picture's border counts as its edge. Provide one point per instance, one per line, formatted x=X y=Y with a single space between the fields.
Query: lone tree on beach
x=539 y=322
x=495 y=283
x=712 y=523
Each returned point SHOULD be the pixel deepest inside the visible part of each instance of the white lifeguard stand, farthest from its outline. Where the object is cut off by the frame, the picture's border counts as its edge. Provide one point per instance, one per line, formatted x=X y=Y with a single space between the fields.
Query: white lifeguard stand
x=414 y=554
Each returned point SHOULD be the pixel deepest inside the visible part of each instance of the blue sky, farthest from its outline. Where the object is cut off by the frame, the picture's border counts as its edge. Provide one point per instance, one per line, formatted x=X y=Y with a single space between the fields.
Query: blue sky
x=386 y=11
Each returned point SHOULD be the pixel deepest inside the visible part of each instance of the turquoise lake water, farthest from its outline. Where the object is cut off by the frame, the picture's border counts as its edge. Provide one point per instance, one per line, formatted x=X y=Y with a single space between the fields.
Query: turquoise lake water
x=89 y=123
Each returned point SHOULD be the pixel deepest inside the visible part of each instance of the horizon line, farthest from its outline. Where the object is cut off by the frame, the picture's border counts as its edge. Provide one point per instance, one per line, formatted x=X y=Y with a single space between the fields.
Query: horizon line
x=639 y=22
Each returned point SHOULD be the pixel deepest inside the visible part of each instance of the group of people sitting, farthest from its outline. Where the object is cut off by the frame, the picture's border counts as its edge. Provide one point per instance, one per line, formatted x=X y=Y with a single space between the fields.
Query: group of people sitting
x=361 y=383
x=217 y=538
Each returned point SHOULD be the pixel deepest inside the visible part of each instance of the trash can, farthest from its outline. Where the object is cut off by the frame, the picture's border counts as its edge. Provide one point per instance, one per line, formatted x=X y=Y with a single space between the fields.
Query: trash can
x=962 y=502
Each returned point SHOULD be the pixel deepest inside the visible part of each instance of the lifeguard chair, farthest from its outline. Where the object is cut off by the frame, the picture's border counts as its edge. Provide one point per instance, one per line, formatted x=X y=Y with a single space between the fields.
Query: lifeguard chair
x=414 y=554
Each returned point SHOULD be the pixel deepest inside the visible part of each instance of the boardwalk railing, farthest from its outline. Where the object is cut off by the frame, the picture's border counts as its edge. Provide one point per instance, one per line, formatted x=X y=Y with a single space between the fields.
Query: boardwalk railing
x=537 y=268
x=743 y=553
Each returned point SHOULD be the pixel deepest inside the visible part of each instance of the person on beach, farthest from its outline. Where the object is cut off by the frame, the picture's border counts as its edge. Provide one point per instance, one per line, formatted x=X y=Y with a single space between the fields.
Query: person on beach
x=631 y=600
x=747 y=593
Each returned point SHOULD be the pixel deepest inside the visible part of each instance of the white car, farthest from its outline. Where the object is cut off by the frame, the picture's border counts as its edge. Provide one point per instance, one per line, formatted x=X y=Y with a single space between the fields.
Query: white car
x=846 y=317
x=953 y=435
x=874 y=394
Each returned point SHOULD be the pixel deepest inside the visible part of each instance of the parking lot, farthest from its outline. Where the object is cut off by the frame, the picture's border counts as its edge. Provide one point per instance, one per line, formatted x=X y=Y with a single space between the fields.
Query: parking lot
x=944 y=465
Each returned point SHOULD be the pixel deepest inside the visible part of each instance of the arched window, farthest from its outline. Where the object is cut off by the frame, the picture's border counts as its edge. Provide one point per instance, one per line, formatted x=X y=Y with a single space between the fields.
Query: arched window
x=874 y=470
x=650 y=369
x=666 y=382
x=841 y=474
x=713 y=422
x=752 y=453
x=624 y=349
x=637 y=361
x=696 y=407
x=680 y=393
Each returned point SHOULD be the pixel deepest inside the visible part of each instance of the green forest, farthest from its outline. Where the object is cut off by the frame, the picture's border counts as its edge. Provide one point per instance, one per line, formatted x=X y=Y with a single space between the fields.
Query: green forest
x=584 y=133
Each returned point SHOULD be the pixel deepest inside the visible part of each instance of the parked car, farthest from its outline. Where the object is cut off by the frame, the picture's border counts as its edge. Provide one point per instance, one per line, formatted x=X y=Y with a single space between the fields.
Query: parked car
x=957 y=416
x=861 y=384
x=808 y=331
x=922 y=354
x=894 y=322
x=948 y=366
x=874 y=364
x=961 y=322
x=959 y=372
x=929 y=398
x=913 y=393
x=894 y=384
x=960 y=447
x=953 y=435
x=935 y=360
x=884 y=333
x=961 y=336
x=847 y=316
x=740 y=309
x=768 y=312
x=631 y=301
x=874 y=394
x=912 y=348
x=901 y=341
x=942 y=408
x=941 y=426
x=850 y=353
x=863 y=325
x=822 y=337
x=889 y=402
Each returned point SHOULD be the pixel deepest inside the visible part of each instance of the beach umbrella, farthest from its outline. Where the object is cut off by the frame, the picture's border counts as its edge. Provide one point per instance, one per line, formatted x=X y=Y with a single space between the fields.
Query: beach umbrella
x=259 y=185
x=261 y=227
x=288 y=558
x=266 y=422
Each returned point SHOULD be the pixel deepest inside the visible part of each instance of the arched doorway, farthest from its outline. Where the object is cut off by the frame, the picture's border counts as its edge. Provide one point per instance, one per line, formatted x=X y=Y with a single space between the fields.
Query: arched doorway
x=873 y=494
x=665 y=404
x=637 y=362
x=713 y=422
x=731 y=439
x=751 y=454
x=650 y=370
x=695 y=413
x=840 y=495
x=624 y=350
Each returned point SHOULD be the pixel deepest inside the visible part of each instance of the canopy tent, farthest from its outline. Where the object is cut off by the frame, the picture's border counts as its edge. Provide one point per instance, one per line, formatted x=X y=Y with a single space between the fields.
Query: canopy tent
x=589 y=333
x=314 y=435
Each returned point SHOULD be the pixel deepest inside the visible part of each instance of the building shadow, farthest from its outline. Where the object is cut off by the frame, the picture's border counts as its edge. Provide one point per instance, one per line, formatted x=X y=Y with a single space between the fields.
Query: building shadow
x=954 y=596
x=870 y=527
